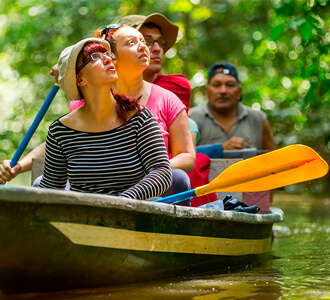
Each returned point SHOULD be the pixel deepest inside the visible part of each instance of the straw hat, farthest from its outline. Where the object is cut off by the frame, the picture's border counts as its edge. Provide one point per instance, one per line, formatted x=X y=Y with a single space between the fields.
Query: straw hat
x=67 y=67
x=168 y=29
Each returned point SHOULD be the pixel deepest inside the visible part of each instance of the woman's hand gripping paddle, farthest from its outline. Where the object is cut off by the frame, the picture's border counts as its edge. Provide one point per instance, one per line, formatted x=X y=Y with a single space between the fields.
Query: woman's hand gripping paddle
x=278 y=168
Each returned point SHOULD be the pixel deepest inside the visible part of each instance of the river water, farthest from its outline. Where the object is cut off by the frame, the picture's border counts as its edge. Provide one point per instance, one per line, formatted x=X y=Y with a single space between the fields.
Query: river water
x=299 y=267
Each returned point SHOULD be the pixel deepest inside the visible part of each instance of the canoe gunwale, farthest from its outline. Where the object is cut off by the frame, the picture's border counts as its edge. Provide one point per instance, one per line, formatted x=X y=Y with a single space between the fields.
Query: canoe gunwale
x=48 y=196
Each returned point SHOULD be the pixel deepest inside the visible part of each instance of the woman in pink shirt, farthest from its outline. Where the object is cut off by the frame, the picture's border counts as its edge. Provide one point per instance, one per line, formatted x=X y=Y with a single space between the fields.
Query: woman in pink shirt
x=132 y=58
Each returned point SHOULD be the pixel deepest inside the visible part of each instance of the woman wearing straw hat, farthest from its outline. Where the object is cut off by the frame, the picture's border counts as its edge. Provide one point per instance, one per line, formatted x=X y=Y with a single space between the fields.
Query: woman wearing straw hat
x=110 y=145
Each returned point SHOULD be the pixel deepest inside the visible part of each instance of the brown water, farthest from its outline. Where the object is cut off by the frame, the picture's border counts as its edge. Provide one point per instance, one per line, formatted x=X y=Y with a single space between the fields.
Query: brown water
x=299 y=267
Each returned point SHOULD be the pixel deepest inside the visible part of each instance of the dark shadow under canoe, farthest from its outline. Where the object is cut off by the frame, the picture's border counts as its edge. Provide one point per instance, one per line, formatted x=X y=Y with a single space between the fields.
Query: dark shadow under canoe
x=54 y=240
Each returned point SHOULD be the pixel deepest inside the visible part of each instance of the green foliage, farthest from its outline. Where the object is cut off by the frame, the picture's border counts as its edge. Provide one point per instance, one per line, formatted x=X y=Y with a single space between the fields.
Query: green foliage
x=277 y=32
x=281 y=49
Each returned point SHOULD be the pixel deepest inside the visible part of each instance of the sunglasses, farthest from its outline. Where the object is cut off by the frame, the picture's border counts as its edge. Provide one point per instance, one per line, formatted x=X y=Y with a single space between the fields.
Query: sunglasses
x=105 y=30
x=96 y=56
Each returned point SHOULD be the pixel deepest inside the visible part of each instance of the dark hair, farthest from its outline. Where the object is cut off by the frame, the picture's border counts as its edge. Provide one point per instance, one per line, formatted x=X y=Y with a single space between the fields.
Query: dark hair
x=88 y=49
x=124 y=104
x=152 y=25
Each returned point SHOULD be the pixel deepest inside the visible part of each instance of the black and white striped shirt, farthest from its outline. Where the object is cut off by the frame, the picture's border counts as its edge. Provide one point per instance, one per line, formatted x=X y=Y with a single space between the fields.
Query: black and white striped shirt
x=128 y=161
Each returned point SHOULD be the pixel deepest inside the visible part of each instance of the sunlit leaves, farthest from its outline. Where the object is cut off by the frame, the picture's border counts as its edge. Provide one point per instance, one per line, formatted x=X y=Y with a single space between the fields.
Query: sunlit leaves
x=181 y=6
x=201 y=13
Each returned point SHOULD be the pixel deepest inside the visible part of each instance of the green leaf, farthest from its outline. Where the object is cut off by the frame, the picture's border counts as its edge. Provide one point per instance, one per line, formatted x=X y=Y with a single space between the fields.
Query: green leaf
x=313 y=20
x=181 y=6
x=317 y=25
x=306 y=31
x=276 y=32
x=201 y=13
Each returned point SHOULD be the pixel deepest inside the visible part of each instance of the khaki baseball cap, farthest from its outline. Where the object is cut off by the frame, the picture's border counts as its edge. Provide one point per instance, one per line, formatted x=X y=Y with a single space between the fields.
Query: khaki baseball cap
x=67 y=67
x=168 y=29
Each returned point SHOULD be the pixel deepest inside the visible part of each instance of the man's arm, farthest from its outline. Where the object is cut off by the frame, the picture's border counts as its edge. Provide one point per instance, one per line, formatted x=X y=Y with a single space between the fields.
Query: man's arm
x=234 y=143
x=268 y=142
x=215 y=150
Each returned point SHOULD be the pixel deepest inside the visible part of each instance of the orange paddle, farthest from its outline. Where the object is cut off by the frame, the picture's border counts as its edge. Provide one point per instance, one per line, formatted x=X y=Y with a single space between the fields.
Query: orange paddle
x=285 y=166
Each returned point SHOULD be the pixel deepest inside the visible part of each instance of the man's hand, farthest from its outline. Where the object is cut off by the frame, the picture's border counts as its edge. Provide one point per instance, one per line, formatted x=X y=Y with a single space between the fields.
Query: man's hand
x=233 y=143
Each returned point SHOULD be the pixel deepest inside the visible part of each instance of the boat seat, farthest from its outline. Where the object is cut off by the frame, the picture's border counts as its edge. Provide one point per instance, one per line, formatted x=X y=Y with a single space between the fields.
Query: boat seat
x=217 y=166
x=37 y=168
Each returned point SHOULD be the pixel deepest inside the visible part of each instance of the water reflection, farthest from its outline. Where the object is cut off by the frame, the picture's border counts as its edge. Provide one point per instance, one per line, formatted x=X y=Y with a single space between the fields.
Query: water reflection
x=252 y=283
x=298 y=268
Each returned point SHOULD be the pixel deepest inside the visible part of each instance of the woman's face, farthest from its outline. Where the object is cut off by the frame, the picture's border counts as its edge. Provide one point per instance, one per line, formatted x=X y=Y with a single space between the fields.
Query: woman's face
x=131 y=50
x=99 y=71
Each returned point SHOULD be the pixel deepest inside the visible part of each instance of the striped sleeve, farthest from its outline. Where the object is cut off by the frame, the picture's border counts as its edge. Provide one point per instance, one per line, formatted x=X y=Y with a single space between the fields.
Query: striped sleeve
x=153 y=154
x=55 y=170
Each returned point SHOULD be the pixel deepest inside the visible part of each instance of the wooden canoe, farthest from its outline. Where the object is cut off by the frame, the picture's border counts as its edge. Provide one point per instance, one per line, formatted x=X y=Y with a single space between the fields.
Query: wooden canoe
x=54 y=240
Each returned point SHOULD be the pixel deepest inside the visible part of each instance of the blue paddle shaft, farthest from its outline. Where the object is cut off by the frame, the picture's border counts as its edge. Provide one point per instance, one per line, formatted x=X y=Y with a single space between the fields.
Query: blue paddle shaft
x=177 y=197
x=34 y=125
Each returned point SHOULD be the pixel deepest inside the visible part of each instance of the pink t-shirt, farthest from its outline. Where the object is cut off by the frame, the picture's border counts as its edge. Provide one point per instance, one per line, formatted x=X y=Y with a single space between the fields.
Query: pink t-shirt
x=74 y=104
x=163 y=104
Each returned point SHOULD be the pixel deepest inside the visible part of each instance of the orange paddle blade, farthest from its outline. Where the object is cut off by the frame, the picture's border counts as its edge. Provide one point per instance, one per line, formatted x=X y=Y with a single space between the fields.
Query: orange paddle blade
x=278 y=168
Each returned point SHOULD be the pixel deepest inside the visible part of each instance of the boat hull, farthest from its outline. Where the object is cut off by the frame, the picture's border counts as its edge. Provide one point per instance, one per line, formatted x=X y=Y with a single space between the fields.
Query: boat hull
x=54 y=240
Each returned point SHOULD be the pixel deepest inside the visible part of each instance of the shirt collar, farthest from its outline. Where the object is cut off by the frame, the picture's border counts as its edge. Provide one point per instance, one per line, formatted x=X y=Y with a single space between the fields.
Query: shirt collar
x=241 y=109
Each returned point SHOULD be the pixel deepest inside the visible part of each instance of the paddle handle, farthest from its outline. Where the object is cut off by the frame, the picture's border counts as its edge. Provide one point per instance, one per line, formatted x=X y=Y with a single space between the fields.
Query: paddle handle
x=34 y=125
x=177 y=197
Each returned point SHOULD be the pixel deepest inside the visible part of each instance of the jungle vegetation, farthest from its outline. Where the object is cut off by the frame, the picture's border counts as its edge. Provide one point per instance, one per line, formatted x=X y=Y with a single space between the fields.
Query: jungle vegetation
x=280 y=47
